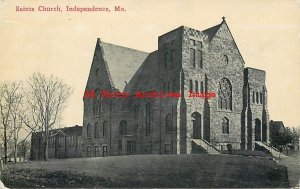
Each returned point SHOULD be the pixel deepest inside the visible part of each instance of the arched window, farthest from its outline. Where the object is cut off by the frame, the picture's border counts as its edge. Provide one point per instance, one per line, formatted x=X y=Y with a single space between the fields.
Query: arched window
x=169 y=123
x=196 y=86
x=148 y=118
x=225 y=95
x=104 y=128
x=174 y=85
x=261 y=98
x=191 y=85
x=97 y=103
x=97 y=130
x=253 y=97
x=201 y=87
x=135 y=111
x=88 y=130
x=257 y=98
x=123 y=128
x=225 y=125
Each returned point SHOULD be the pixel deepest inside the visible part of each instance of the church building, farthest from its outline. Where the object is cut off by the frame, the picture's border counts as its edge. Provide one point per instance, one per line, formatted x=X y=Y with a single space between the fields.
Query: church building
x=187 y=60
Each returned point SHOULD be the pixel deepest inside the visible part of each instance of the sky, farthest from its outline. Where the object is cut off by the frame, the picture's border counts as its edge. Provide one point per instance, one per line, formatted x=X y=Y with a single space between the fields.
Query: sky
x=267 y=34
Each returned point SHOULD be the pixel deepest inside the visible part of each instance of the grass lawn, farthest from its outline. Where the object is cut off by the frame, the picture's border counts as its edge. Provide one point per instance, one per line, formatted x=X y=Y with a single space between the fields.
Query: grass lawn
x=201 y=170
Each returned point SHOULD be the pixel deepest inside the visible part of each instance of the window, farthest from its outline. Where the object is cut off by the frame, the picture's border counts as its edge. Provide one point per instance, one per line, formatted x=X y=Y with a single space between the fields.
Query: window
x=167 y=148
x=97 y=103
x=192 y=42
x=261 y=98
x=192 y=57
x=131 y=147
x=169 y=123
x=120 y=144
x=191 y=85
x=257 y=98
x=97 y=151
x=148 y=118
x=225 y=95
x=88 y=154
x=196 y=86
x=104 y=150
x=104 y=129
x=200 y=59
x=135 y=129
x=174 y=83
x=97 y=130
x=123 y=128
x=164 y=87
x=169 y=86
x=201 y=87
x=88 y=130
x=135 y=112
x=225 y=125
x=253 y=97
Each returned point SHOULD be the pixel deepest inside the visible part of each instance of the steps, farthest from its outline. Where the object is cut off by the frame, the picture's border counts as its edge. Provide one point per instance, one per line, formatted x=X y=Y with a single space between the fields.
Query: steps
x=271 y=149
x=206 y=146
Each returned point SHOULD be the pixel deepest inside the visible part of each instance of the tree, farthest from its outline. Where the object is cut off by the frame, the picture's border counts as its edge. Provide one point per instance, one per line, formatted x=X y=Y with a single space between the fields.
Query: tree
x=10 y=99
x=46 y=99
x=23 y=147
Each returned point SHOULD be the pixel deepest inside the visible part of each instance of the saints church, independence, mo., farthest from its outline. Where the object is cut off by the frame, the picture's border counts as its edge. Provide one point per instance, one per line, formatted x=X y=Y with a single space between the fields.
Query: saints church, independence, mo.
x=187 y=59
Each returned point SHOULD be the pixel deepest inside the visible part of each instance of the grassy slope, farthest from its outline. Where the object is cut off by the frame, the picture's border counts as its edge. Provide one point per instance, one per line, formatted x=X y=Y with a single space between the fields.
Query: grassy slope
x=149 y=171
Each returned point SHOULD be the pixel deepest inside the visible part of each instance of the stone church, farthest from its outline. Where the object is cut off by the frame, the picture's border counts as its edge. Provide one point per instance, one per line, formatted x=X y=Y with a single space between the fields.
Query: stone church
x=187 y=59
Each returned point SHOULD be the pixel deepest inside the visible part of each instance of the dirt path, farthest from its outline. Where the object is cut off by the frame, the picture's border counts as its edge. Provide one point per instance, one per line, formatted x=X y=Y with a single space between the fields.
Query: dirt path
x=293 y=164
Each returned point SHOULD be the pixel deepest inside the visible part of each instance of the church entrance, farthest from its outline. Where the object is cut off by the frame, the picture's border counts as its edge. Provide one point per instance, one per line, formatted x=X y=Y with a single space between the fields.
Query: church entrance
x=257 y=130
x=196 y=118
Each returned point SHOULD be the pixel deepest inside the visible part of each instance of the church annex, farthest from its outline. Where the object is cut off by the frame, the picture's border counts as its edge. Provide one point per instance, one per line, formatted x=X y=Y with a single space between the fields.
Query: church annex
x=186 y=60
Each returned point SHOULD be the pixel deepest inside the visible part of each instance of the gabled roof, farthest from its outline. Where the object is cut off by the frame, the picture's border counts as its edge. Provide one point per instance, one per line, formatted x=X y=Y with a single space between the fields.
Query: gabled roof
x=122 y=63
x=210 y=32
x=146 y=76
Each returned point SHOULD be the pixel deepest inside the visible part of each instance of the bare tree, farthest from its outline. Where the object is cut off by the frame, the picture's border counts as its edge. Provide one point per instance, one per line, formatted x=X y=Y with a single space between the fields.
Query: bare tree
x=46 y=99
x=9 y=99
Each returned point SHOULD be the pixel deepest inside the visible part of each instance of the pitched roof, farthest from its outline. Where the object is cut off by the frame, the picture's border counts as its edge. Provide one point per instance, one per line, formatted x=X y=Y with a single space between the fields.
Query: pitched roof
x=122 y=63
x=146 y=76
x=210 y=32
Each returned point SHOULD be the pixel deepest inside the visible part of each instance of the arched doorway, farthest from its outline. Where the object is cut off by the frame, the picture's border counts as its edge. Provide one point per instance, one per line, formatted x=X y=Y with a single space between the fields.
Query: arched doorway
x=257 y=130
x=196 y=118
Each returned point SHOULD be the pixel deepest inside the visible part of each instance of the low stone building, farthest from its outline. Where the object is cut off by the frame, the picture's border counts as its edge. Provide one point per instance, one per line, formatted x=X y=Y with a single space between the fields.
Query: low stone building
x=63 y=143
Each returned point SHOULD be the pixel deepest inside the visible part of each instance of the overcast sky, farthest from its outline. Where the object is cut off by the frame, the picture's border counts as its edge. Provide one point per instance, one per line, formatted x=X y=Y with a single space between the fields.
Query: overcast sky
x=62 y=43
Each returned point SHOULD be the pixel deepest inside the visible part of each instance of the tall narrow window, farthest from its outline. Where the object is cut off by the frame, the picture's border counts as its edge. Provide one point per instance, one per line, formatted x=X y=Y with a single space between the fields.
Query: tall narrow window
x=97 y=130
x=200 y=59
x=225 y=125
x=192 y=57
x=257 y=98
x=201 y=87
x=123 y=128
x=148 y=119
x=196 y=86
x=174 y=83
x=88 y=130
x=191 y=85
x=261 y=98
x=104 y=129
x=169 y=123
x=253 y=97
